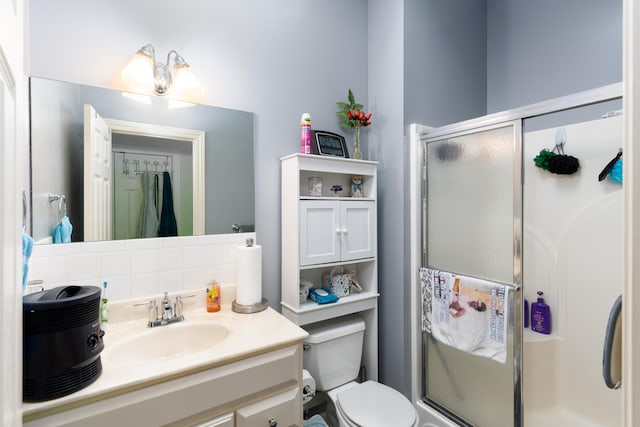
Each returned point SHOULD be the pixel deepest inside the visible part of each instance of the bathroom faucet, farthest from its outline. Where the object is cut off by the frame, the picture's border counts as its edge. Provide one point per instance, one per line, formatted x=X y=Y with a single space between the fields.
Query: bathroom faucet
x=170 y=313
x=167 y=309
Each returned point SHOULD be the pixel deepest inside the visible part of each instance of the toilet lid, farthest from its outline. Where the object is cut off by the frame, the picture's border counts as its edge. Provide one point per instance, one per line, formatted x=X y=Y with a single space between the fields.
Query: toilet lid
x=372 y=404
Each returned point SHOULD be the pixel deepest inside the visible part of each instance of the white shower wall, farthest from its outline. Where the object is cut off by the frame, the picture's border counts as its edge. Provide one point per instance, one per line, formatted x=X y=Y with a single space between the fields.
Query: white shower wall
x=573 y=243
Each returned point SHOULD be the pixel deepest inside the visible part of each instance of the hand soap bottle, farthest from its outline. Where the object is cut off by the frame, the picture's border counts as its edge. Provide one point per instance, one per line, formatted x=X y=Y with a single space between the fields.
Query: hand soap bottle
x=540 y=316
x=213 y=297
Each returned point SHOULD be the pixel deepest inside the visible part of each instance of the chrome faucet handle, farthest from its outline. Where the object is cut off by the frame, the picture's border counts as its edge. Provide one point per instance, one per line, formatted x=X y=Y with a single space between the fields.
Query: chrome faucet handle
x=153 y=310
x=177 y=309
x=179 y=298
x=149 y=303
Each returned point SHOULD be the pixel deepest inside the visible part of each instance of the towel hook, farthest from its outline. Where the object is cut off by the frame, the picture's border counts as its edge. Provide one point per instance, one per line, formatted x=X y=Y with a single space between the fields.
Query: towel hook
x=53 y=197
x=561 y=140
x=62 y=206
x=62 y=203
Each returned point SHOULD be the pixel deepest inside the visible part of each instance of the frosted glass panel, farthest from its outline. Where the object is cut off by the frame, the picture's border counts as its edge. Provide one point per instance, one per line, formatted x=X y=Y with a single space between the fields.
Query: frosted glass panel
x=470 y=230
x=470 y=199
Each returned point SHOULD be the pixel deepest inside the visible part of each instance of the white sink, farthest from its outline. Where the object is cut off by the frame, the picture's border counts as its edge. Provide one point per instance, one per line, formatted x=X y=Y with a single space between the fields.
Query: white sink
x=163 y=342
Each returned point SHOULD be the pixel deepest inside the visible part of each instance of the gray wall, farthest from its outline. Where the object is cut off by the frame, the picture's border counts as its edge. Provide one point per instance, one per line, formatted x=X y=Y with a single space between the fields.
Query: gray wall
x=445 y=71
x=537 y=50
x=386 y=145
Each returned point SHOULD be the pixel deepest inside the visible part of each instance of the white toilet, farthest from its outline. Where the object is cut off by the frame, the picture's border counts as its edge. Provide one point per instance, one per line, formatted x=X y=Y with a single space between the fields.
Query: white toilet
x=332 y=354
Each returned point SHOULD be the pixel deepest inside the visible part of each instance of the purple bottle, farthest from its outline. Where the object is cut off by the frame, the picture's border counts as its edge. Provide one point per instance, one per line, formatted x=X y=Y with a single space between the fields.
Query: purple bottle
x=540 y=316
x=526 y=313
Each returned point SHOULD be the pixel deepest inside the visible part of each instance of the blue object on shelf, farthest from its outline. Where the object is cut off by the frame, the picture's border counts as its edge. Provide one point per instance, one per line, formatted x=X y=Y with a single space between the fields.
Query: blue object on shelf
x=321 y=296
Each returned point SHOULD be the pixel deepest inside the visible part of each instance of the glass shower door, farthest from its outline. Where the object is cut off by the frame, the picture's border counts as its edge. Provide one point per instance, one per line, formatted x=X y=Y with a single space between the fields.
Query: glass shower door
x=472 y=227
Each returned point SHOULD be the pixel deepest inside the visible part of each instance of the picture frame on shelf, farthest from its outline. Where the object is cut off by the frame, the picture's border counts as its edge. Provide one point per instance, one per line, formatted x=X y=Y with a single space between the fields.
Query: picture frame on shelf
x=325 y=143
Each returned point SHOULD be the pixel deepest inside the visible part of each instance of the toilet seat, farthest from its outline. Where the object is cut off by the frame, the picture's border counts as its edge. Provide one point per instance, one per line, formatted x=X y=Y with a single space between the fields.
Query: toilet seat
x=372 y=404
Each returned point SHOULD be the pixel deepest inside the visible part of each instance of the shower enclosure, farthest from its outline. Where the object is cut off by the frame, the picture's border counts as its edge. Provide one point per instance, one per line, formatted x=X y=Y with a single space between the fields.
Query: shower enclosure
x=489 y=211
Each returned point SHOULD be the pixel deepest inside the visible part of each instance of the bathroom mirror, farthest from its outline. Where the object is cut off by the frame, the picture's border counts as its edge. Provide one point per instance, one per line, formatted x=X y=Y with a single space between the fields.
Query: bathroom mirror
x=206 y=151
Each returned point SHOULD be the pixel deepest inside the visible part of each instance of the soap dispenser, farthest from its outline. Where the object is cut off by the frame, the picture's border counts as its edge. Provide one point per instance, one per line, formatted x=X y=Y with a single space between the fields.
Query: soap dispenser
x=540 y=316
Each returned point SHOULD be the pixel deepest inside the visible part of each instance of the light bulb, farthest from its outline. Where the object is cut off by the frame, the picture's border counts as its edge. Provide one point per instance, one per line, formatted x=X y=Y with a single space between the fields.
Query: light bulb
x=138 y=74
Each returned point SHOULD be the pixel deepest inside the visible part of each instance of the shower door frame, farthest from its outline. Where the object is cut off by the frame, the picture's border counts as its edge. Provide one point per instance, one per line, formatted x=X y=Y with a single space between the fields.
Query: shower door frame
x=417 y=168
x=515 y=309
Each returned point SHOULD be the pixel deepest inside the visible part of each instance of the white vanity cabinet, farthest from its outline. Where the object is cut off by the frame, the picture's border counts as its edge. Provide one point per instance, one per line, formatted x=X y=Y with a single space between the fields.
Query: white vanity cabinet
x=322 y=233
x=250 y=378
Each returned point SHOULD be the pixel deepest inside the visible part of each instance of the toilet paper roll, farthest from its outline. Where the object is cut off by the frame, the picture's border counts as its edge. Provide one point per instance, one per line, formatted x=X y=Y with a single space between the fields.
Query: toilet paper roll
x=249 y=275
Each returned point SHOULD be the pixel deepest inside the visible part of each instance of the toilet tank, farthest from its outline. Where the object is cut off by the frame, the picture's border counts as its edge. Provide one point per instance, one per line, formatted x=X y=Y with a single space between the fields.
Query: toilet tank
x=333 y=351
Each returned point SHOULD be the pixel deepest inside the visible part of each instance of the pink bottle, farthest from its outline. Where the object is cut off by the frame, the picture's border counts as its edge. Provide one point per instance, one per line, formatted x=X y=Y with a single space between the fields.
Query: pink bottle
x=305 y=135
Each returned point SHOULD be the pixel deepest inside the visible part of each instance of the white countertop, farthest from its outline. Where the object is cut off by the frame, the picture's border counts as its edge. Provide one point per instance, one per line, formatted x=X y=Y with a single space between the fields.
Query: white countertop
x=250 y=334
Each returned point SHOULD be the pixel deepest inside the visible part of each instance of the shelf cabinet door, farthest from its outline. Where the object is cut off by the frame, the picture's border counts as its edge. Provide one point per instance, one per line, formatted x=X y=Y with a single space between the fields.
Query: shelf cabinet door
x=334 y=230
x=319 y=231
x=358 y=230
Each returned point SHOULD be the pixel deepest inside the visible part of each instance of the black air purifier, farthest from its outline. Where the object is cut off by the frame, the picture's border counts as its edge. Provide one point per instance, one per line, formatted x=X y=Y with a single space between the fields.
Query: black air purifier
x=61 y=341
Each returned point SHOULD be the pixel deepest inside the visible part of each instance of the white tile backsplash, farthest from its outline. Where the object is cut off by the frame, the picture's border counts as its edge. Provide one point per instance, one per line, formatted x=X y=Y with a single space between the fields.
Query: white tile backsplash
x=170 y=259
x=84 y=267
x=140 y=267
x=115 y=264
x=193 y=257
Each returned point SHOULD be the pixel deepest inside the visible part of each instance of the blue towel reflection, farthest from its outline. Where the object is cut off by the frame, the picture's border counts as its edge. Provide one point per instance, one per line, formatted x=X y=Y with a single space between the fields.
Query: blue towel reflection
x=27 y=248
x=62 y=231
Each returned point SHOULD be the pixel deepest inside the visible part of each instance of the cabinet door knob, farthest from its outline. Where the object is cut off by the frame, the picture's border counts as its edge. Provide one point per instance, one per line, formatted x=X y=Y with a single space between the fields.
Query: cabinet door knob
x=272 y=422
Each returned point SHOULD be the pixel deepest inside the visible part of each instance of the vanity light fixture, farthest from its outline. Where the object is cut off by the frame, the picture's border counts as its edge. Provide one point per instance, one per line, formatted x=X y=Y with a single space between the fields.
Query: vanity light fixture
x=145 y=74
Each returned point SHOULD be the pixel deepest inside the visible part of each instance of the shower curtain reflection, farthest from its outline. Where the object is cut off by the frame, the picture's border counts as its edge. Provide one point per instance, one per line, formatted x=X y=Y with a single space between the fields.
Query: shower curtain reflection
x=148 y=223
x=139 y=194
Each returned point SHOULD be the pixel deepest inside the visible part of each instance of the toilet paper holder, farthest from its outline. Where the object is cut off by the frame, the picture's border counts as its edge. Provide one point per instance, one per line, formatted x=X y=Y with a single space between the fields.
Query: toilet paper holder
x=250 y=285
x=308 y=386
x=248 y=309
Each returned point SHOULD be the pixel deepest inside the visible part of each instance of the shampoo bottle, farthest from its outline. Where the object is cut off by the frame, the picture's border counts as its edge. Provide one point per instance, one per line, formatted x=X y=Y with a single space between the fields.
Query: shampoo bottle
x=526 y=313
x=305 y=134
x=540 y=316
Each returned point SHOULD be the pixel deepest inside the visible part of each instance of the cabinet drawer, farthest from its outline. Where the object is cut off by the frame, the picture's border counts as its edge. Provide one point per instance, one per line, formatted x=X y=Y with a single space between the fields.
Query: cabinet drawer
x=223 y=421
x=281 y=410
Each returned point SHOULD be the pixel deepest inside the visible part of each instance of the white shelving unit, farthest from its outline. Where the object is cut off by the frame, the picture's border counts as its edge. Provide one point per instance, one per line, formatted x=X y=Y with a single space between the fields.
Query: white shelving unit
x=322 y=233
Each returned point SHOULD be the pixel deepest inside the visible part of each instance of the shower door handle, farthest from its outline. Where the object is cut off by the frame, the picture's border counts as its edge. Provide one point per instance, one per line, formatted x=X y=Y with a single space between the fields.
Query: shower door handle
x=612 y=352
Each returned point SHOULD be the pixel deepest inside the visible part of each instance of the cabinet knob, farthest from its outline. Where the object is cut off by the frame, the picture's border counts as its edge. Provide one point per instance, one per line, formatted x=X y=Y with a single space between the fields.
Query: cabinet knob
x=272 y=422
